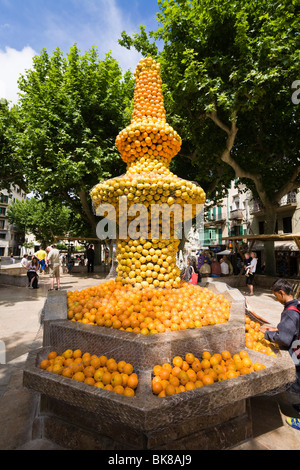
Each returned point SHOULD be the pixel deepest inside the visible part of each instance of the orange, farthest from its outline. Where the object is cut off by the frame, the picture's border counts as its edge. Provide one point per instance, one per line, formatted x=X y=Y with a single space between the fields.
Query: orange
x=175 y=371
x=67 y=354
x=124 y=379
x=164 y=374
x=118 y=389
x=89 y=371
x=121 y=365
x=174 y=381
x=156 y=387
x=95 y=362
x=116 y=380
x=167 y=366
x=128 y=392
x=109 y=387
x=103 y=360
x=111 y=365
x=198 y=384
x=196 y=365
x=67 y=372
x=99 y=384
x=246 y=362
x=243 y=354
x=162 y=393
x=189 y=357
x=128 y=368
x=57 y=368
x=156 y=370
x=132 y=381
x=207 y=380
x=226 y=355
x=205 y=364
x=206 y=355
x=106 y=378
x=169 y=390
x=191 y=375
x=230 y=374
x=258 y=366
x=77 y=353
x=89 y=381
x=52 y=355
x=79 y=376
x=222 y=377
x=44 y=364
x=177 y=361
x=86 y=359
x=244 y=370
x=183 y=377
x=190 y=385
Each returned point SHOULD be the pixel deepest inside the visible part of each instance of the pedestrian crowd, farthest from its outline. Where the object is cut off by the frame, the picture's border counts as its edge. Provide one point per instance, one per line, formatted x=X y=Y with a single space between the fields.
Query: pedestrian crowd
x=51 y=260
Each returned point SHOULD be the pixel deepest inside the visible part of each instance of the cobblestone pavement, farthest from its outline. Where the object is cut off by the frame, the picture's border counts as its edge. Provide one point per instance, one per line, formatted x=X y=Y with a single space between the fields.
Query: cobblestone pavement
x=20 y=329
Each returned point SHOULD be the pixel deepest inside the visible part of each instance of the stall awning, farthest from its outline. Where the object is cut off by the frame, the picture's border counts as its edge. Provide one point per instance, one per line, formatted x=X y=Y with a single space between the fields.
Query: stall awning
x=282 y=242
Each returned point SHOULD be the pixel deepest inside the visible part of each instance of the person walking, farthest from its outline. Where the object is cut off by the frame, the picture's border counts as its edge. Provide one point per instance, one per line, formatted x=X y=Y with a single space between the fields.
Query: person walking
x=53 y=262
x=251 y=272
x=191 y=269
x=41 y=256
x=90 y=254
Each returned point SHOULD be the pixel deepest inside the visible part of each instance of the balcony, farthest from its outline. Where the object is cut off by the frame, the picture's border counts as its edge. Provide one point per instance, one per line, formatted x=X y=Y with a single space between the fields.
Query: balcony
x=210 y=222
x=288 y=201
x=236 y=214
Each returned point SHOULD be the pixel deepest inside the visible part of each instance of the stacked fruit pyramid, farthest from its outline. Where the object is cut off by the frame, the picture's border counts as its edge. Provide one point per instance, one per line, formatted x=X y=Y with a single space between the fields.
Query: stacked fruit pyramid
x=147 y=145
x=148 y=295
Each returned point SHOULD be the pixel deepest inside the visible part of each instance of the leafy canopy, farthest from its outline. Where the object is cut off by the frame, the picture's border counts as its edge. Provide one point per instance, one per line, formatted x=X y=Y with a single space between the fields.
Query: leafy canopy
x=71 y=109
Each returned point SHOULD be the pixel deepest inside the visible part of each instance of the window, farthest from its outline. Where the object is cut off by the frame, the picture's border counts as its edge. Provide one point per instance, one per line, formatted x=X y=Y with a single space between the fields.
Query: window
x=2 y=236
x=261 y=227
x=287 y=224
x=2 y=222
x=3 y=199
x=219 y=212
x=210 y=235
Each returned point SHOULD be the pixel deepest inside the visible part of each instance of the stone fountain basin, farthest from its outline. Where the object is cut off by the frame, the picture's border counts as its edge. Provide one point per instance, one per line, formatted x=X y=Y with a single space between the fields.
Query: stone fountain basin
x=143 y=417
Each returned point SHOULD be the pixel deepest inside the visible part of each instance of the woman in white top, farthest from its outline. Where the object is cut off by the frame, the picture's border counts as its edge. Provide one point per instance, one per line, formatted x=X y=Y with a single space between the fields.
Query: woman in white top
x=252 y=272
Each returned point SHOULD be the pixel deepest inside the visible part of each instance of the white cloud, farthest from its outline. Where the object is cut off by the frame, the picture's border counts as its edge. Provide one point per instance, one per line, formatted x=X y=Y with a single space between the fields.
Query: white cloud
x=12 y=64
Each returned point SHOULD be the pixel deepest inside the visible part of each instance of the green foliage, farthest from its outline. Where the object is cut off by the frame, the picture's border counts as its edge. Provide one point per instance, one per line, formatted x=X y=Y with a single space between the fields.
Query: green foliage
x=225 y=62
x=71 y=109
x=11 y=164
x=43 y=220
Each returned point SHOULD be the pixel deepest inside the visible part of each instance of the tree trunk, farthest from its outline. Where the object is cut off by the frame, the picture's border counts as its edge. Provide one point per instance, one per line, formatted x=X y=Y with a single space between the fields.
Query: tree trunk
x=270 y=261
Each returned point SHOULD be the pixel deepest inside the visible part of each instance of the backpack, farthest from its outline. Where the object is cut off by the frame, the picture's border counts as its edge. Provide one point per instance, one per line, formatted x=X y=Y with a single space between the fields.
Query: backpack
x=296 y=349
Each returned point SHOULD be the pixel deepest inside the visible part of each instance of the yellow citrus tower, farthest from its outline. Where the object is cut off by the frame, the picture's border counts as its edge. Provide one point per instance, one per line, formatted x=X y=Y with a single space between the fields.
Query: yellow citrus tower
x=148 y=145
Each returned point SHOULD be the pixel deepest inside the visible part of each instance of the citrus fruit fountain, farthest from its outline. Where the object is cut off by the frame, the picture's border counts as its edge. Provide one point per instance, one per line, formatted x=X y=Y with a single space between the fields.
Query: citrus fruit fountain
x=120 y=318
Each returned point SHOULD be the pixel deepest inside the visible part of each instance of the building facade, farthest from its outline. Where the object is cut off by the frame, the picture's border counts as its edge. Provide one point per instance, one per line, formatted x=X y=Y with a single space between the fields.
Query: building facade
x=240 y=214
x=10 y=239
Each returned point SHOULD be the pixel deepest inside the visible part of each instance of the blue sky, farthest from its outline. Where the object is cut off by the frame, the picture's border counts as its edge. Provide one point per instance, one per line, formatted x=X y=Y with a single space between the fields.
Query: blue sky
x=28 y=26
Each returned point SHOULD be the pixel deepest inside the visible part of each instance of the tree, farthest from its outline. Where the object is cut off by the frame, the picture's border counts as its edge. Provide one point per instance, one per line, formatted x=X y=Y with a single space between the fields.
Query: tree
x=229 y=67
x=71 y=110
x=11 y=164
x=42 y=220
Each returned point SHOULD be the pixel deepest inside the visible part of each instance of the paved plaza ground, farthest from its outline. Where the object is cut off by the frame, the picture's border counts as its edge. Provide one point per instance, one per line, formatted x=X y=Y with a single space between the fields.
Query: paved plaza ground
x=20 y=310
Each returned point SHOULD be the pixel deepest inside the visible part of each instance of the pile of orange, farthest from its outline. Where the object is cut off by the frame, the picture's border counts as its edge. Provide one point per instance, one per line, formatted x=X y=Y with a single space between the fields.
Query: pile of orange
x=254 y=339
x=191 y=372
x=149 y=310
x=99 y=371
